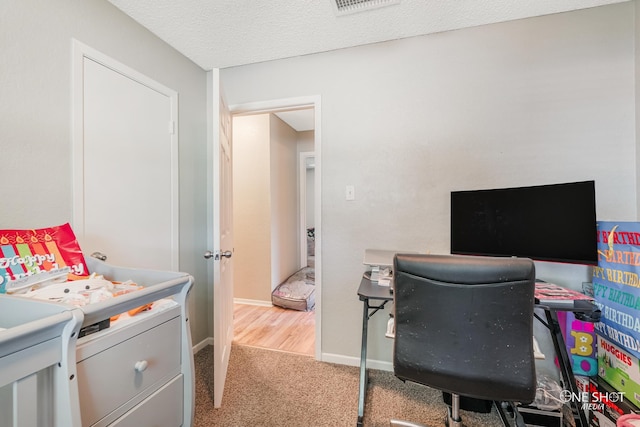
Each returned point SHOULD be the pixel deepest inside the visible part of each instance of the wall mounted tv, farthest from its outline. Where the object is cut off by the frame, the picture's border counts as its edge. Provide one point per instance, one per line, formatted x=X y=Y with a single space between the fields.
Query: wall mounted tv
x=547 y=222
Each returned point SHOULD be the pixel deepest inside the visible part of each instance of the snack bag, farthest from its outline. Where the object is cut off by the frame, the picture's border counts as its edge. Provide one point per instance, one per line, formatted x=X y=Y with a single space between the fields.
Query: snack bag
x=25 y=253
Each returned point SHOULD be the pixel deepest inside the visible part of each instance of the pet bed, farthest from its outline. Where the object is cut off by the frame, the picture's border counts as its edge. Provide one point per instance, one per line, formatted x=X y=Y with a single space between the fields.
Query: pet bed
x=298 y=292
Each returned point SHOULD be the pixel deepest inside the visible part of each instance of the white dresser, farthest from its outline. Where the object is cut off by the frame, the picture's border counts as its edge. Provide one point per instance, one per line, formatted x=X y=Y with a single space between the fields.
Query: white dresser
x=138 y=372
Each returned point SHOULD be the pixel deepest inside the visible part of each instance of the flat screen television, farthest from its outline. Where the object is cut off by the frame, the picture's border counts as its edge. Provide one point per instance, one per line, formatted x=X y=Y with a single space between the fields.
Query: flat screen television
x=554 y=222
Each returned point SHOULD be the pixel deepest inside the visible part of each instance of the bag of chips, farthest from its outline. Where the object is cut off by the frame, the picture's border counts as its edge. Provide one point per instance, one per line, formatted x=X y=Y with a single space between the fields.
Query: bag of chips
x=26 y=253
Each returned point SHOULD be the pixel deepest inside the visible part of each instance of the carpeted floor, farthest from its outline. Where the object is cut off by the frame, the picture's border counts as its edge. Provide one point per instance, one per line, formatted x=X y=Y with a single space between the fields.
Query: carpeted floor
x=267 y=388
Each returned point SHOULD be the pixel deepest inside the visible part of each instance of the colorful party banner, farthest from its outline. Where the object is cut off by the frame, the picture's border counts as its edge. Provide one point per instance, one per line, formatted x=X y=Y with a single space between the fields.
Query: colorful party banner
x=24 y=253
x=616 y=284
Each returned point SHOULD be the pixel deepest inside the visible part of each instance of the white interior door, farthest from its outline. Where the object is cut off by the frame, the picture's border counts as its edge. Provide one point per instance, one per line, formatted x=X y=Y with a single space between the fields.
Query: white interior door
x=125 y=164
x=221 y=219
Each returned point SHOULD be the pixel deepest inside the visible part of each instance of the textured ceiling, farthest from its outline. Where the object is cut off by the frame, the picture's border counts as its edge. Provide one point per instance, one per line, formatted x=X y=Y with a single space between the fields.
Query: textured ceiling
x=226 y=33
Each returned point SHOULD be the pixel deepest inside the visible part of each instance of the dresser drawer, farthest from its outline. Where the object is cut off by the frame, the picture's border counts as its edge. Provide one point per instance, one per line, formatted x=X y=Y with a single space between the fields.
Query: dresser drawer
x=162 y=409
x=116 y=379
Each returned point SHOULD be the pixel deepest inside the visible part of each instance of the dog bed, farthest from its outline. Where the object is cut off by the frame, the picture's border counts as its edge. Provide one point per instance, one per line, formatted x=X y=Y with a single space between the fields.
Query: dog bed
x=298 y=292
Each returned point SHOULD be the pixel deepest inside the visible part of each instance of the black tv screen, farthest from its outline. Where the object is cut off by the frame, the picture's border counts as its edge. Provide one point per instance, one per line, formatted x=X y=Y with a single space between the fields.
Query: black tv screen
x=547 y=222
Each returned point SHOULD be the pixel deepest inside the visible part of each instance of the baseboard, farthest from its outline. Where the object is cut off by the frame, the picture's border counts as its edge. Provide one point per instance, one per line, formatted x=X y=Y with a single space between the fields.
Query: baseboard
x=355 y=361
x=252 y=302
x=202 y=344
x=326 y=357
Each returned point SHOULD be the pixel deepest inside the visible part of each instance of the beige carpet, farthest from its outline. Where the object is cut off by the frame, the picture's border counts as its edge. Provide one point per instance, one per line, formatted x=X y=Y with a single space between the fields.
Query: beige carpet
x=272 y=388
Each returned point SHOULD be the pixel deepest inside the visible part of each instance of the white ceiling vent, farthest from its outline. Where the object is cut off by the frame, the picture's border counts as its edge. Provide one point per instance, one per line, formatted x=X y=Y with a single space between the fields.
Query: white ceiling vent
x=344 y=7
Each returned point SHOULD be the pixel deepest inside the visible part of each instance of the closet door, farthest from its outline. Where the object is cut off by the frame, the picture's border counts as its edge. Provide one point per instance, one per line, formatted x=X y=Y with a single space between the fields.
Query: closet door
x=125 y=195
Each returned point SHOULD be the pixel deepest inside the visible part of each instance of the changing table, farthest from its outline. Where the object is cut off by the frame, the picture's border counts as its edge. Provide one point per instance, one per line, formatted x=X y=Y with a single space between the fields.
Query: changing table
x=139 y=371
x=37 y=351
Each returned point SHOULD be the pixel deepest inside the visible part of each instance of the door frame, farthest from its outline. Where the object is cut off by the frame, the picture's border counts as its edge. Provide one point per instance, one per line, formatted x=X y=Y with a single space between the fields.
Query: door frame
x=272 y=106
x=80 y=51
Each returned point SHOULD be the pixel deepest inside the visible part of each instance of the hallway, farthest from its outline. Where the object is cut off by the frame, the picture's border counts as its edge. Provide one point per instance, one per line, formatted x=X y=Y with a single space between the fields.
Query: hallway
x=275 y=328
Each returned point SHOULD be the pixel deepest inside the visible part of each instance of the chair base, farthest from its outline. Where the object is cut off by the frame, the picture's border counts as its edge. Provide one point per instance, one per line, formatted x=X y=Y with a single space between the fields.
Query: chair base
x=453 y=414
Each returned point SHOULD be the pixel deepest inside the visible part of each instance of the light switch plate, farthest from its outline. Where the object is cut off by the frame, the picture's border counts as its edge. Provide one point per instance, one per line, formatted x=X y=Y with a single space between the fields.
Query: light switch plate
x=350 y=192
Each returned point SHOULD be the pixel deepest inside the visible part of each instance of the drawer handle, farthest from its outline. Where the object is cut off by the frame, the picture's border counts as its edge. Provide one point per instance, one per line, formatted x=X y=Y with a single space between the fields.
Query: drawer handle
x=141 y=365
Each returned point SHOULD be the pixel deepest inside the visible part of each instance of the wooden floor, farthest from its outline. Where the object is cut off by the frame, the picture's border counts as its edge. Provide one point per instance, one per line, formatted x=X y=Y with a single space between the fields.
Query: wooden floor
x=274 y=327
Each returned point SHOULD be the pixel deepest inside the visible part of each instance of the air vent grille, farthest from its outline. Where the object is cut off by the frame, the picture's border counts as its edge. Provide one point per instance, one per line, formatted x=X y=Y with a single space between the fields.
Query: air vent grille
x=352 y=6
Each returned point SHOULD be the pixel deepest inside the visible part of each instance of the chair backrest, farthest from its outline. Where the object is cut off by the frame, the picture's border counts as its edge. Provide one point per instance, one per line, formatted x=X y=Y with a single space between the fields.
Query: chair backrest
x=464 y=324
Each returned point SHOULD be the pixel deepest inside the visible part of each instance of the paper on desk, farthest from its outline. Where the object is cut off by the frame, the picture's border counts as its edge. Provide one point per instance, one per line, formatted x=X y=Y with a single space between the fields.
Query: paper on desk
x=384 y=281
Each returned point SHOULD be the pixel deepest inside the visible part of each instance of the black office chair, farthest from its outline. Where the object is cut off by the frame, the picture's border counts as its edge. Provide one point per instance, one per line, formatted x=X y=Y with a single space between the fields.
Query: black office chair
x=464 y=325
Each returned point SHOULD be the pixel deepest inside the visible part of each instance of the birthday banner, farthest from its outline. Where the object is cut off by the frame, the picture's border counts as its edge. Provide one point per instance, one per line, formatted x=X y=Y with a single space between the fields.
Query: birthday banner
x=616 y=284
x=24 y=253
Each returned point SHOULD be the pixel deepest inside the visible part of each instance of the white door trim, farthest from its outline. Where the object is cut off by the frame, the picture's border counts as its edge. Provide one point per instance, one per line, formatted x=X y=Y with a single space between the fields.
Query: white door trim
x=292 y=103
x=80 y=51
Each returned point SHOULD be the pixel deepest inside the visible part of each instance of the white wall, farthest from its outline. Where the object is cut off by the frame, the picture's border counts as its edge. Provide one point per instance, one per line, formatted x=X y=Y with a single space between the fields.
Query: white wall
x=251 y=208
x=284 y=201
x=35 y=118
x=535 y=101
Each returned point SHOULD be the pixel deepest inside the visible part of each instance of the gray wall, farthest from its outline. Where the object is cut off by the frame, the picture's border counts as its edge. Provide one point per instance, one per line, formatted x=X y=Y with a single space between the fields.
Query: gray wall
x=252 y=208
x=35 y=118
x=284 y=200
x=534 y=101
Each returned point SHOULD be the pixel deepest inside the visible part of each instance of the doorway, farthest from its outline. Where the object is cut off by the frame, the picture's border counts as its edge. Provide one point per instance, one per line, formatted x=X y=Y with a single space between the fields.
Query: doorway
x=265 y=265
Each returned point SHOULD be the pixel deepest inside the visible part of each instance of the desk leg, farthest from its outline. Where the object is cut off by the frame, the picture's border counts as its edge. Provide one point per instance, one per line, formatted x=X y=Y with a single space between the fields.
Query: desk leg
x=364 y=376
x=565 y=364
